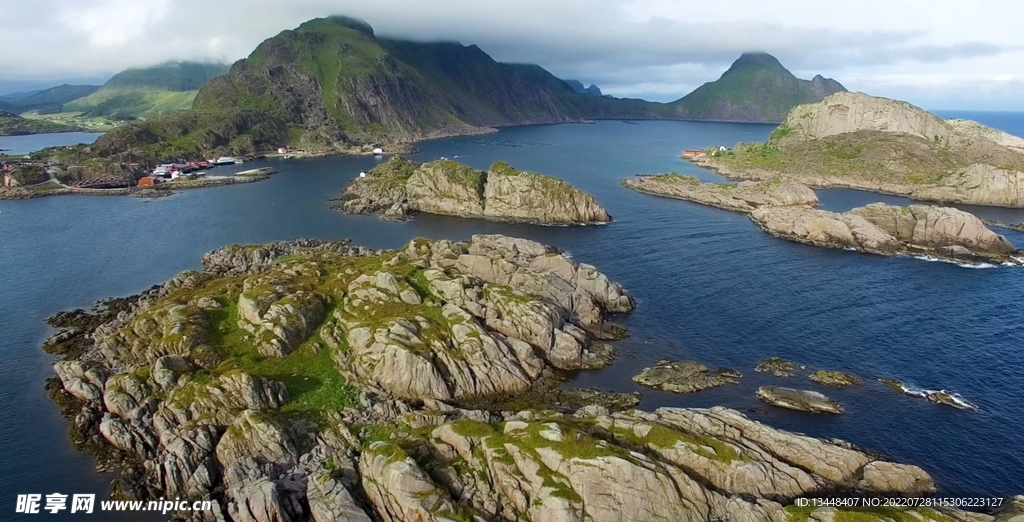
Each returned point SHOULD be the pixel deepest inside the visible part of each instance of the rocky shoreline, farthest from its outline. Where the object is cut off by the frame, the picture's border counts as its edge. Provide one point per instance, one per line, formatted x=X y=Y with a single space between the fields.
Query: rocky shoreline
x=400 y=188
x=312 y=381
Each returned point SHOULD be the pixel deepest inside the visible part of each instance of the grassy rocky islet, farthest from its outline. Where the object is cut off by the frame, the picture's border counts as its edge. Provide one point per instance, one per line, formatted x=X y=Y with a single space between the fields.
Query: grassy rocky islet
x=315 y=381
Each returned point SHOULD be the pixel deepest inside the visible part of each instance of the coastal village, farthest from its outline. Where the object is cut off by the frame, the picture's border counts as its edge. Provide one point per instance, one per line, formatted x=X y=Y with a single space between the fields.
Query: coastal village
x=44 y=174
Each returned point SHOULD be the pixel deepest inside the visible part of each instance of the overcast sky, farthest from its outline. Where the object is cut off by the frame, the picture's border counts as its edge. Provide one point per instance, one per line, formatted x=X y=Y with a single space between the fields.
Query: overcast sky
x=939 y=54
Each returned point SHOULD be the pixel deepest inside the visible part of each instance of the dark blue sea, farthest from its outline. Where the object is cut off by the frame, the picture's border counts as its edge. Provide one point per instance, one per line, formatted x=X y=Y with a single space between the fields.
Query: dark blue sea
x=711 y=287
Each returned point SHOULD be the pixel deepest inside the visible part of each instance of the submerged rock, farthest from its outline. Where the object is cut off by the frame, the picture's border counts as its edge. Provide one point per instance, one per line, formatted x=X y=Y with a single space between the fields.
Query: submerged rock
x=685 y=377
x=833 y=378
x=937 y=396
x=741 y=197
x=778 y=367
x=800 y=400
x=400 y=188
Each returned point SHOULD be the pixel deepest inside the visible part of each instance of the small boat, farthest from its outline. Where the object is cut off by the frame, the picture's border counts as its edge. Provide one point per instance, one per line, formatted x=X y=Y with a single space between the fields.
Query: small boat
x=378 y=152
x=225 y=160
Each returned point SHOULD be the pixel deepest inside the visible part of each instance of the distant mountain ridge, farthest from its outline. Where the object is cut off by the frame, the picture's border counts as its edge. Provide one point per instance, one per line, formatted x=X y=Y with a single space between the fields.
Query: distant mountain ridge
x=756 y=88
x=579 y=88
x=148 y=91
x=331 y=84
x=45 y=101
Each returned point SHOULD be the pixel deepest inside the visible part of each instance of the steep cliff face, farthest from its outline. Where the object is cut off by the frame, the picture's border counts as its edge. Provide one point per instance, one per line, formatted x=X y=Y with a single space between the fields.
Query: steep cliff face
x=755 y=88
x=400 y=187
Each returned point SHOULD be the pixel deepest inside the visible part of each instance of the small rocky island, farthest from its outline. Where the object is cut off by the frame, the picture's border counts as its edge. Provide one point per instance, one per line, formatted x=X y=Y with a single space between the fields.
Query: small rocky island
x=786 y=209
x=314 y=381
x=879 y=228
x=400 y=188
x=745 y=196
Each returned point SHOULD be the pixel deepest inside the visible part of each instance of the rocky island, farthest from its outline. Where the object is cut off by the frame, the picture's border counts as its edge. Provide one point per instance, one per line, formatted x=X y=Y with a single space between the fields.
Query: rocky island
x=740 y=197
x=879 y=228
x=400 y=188
x=859 y=141
x=784 y=208
x=314 y=381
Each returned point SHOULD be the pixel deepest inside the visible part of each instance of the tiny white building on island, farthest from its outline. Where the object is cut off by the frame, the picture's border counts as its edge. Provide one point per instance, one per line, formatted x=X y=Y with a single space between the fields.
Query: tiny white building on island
x=362 y=174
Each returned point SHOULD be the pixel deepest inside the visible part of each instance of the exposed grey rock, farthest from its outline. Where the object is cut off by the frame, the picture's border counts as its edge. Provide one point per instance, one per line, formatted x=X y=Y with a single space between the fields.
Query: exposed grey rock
x=85 y=383
x=685 y=377
x=776 y=366
x=800 y=400
x=741 y=197
x=834 y=378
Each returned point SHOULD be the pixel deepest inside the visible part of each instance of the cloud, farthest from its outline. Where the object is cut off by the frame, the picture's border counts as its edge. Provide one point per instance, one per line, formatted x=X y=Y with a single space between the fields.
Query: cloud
x=627 y=47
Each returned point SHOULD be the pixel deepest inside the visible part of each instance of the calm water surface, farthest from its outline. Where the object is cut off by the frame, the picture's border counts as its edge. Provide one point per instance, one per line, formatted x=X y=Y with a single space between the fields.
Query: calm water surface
x=18 y=145
x=711 y=287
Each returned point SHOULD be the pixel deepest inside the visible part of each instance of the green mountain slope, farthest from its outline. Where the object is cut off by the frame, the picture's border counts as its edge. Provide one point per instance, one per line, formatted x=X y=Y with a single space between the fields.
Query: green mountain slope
x=756 y=88
x=331 y=84
x=148 y=92
x=333 y=76
x=45 y=101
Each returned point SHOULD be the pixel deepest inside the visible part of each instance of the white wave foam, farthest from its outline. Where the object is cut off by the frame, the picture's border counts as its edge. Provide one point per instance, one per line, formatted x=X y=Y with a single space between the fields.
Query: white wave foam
x=933 y=259
x=936 y=396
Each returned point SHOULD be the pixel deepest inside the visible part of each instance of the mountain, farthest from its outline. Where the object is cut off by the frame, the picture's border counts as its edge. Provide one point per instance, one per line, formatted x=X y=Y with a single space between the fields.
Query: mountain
x=146 y=92
x=45 y=101
x=332 y=83
x=756 y=88
x=578 y=87
x=13 y=125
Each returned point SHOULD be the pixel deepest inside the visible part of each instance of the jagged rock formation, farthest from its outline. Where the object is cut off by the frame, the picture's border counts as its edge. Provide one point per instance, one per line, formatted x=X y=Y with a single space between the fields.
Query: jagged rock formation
x=741 y=197
x=356 y=413
x=865 y=142
x=685 y=377
x=755 y=88
x=886 y=229
x=401 y=187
